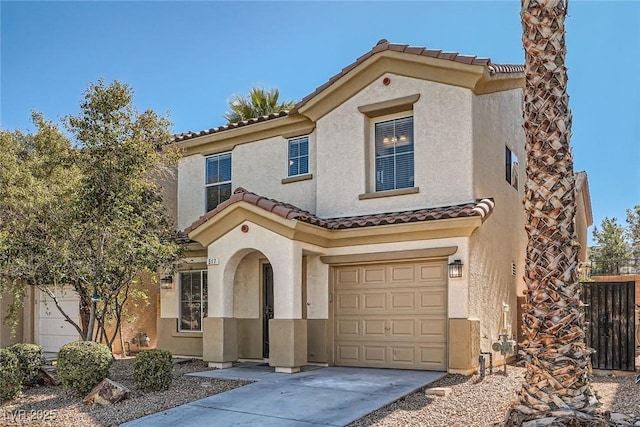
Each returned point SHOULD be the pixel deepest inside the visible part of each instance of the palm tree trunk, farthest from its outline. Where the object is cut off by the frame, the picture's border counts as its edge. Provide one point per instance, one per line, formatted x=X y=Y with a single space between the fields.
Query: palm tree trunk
x=557 y=382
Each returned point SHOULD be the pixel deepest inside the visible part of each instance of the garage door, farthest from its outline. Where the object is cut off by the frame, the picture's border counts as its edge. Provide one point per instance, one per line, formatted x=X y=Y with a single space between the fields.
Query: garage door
x=391 y=315
x=53 y=329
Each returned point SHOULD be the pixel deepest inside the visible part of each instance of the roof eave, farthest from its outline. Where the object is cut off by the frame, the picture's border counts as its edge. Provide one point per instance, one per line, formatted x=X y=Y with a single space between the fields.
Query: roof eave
x=475 y=77
x=225 y=140
x=237 y=213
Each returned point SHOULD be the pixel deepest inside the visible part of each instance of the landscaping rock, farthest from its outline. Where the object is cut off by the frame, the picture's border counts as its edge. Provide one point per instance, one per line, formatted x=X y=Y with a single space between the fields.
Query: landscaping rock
x=542 y=422
x=107 y=393
x=49 y=375
x=438 y=391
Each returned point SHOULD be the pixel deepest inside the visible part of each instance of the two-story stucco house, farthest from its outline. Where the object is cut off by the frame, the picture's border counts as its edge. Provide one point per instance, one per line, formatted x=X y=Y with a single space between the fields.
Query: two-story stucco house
x=377 y=224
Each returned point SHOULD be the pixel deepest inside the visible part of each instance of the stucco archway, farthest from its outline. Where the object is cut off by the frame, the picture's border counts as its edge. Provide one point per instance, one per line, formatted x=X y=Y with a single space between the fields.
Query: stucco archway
x=237 y=325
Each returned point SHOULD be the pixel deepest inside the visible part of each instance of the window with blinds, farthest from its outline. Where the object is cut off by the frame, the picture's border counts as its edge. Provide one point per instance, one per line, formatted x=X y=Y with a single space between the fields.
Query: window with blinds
x=511 y=167
x=394 y=154
x=299 y=156
x=217 y=180
x=193 y=300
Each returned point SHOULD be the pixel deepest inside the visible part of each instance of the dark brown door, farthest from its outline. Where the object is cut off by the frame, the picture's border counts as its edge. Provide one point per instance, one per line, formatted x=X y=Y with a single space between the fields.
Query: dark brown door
x=267 y=289
x=610 y=317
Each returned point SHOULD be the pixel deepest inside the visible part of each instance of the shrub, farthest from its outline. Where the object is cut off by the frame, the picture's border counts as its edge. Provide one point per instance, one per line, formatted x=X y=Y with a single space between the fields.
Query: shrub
x=29 y=361
x=83 y=364
x=10 y=377
x=152 y=370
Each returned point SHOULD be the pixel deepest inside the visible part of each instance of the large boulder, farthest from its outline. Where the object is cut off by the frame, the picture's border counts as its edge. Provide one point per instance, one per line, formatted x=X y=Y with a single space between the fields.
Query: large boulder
x=107 y=393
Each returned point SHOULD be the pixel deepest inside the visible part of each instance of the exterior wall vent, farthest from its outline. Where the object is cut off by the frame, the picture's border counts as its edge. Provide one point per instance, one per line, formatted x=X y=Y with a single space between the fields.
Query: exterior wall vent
x=513 y=269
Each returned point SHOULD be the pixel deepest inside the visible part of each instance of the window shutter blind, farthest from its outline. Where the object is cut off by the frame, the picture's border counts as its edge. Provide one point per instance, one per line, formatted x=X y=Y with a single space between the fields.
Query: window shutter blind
x=394 y=154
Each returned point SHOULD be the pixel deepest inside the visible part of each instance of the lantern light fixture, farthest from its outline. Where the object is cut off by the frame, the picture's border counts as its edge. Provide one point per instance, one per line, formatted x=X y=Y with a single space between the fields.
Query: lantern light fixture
x=166 y=281
x=455 y=269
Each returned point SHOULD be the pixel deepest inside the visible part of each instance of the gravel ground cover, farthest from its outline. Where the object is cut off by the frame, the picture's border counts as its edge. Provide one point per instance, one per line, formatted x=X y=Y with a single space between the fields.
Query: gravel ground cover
x=484 y=403
x=56 y=407
x=472 y=402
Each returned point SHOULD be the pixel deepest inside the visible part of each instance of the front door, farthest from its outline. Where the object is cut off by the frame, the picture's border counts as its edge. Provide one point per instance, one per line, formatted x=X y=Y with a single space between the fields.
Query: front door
x=267 y=313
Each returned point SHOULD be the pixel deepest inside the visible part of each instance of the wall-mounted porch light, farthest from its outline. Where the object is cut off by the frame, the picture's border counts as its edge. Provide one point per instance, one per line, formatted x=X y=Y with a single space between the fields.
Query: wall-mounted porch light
x=166 y=281
x=455 y=269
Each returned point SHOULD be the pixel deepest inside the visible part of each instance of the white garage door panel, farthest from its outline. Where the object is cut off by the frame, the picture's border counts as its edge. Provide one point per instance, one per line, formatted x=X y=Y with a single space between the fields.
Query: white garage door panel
x=391 y=315
x=53 y=329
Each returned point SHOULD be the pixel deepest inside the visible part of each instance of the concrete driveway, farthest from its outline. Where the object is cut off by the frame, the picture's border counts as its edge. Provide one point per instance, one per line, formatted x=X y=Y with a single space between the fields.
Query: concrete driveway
x=314 y=397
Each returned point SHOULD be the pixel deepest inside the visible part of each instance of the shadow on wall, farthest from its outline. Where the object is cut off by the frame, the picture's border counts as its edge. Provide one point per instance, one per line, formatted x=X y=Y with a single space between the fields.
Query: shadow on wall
x=139 y=328
x=498 y=288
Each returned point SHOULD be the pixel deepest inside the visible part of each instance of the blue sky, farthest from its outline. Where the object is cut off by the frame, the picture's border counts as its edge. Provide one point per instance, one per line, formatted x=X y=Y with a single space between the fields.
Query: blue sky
x=188 y=58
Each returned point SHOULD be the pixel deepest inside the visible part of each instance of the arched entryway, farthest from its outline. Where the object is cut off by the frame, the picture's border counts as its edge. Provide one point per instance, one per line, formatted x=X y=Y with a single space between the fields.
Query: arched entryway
x=253 y=304
x=255 y=309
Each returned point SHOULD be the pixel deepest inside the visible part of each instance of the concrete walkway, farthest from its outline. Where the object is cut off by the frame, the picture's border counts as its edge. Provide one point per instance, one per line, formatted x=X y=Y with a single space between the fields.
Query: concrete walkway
x=314 y=397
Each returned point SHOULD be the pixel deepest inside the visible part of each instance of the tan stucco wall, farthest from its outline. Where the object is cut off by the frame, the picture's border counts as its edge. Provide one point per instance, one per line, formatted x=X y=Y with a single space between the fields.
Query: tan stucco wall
x=250 y=338
x=318 y=340
x=141 y=317
x=246 y=287
x=190 y=190
x=584 y=217
x=169 y=187
x=464 y=343
x=442 y=134
x=285 y=256
x=260 y=167
x=184 y=344
x=501 y=241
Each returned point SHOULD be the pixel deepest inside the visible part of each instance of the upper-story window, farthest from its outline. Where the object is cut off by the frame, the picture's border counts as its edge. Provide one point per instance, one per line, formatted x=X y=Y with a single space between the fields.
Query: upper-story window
x=193 y=300
x=298 y=156
x=217 y=180
x=394 y=154
x=511 y=167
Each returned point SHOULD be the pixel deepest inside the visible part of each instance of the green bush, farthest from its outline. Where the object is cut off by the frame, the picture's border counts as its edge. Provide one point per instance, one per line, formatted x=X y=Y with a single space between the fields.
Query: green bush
x=83 y=364
x=29 y=361
x=10 y=377
x=152 y=370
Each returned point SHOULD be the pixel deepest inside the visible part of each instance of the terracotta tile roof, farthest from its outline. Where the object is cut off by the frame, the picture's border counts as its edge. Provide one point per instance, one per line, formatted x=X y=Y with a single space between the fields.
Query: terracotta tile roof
x=189 y=135
x=481 y=208
x=381 y=46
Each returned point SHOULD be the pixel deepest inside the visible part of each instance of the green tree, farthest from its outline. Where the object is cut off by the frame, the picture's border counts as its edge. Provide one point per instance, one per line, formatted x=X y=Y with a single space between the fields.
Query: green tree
x=611 y=246
x=38 y=180
x=633 y=231
x=259 y=102
x=101 y=222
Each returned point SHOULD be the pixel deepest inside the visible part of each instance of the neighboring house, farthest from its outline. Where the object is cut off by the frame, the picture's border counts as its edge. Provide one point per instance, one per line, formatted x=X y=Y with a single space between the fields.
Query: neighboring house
x=379 y=223
x=40 y=321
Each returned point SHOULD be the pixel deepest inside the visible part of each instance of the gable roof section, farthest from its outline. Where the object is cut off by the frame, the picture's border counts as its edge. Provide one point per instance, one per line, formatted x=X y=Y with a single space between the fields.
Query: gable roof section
x=478 y=74
x=384 y=46
x=481 y=209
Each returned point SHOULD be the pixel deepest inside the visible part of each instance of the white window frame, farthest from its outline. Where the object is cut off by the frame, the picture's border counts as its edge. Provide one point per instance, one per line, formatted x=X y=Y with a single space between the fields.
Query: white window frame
x=203 y=308
x=290 y=159
x=372 y=140
x=215 y=184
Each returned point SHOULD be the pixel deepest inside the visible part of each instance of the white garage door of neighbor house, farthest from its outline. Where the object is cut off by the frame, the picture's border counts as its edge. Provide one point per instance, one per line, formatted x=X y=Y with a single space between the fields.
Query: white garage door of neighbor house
x=391 y=315
x=53 y=329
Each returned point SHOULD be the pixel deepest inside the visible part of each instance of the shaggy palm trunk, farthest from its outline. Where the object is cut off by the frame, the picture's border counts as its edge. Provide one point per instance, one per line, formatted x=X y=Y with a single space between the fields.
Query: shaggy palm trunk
x=555 y=352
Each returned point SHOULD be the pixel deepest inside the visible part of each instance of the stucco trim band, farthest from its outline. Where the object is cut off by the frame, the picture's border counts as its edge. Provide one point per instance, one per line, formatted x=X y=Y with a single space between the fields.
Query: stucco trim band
x=237 y=213
x=225 y=141
x=389 y=107
x=390 y=256
x=297 y=178
x=389 y=193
